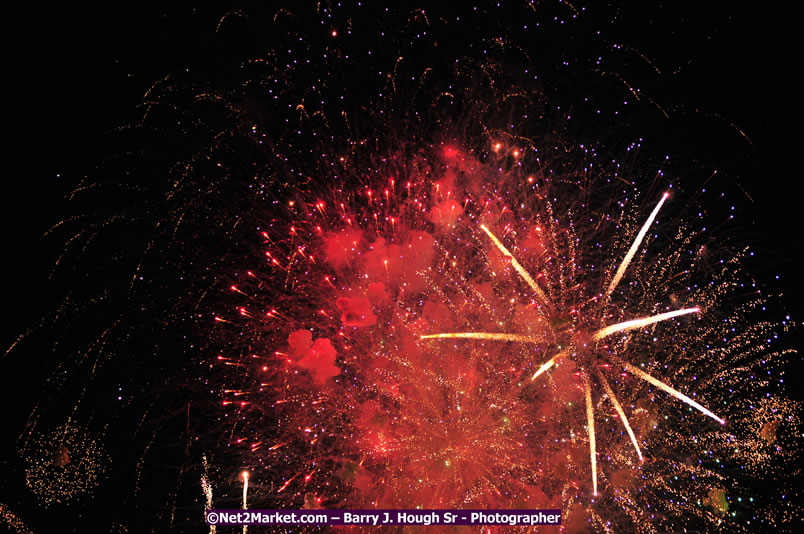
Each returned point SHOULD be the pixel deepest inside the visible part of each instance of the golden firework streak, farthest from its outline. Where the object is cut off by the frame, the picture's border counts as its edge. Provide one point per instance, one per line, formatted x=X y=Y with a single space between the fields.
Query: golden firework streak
x=634 y=247
x=597 y=336
x=675 y=393
x=495 y=336
x=639 y=323
x=620 y=411
x=206 y=487
x=549 y=363
x=613 y=329
x=245 y=497
x=519 y=269
x=590 y=422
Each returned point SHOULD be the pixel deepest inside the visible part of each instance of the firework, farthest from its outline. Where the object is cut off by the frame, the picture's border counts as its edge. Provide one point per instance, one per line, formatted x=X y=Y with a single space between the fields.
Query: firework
x=420 y=388
x=437 y=294
x=64 y=465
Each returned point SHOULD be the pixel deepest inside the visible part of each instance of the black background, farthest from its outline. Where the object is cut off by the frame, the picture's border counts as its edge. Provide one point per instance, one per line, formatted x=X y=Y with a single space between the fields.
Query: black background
x=71 y=75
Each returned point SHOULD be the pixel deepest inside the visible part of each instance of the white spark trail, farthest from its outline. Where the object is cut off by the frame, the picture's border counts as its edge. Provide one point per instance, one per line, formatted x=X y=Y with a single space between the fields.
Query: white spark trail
x=549 y=363
x=634 y=247
x=245 y=497
x=675 y=393
x=639 y=323
x=620 y=412
x=607 y=331
x=590 y=422
x=517 y=266
x=495 y=336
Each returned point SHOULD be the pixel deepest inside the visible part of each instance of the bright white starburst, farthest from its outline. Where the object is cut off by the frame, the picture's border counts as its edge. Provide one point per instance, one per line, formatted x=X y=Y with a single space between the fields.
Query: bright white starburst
x=584 y=344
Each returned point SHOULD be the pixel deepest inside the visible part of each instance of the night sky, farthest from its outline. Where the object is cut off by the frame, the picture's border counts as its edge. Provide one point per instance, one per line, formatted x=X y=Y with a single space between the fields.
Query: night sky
x=73 y=76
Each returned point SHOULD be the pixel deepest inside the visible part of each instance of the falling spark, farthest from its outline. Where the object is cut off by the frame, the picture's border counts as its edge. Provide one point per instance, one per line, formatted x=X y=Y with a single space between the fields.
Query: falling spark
x=590 y=422
x=206 y=487
x=245 y=497
x=286 y=484
x=245 y=489
x=634 y=247
x=519 y=269
x=620 y=412
x=675 y=393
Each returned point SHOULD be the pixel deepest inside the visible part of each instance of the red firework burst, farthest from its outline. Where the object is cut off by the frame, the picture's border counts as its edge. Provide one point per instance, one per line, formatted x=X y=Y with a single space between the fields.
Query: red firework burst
x=470 y=335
